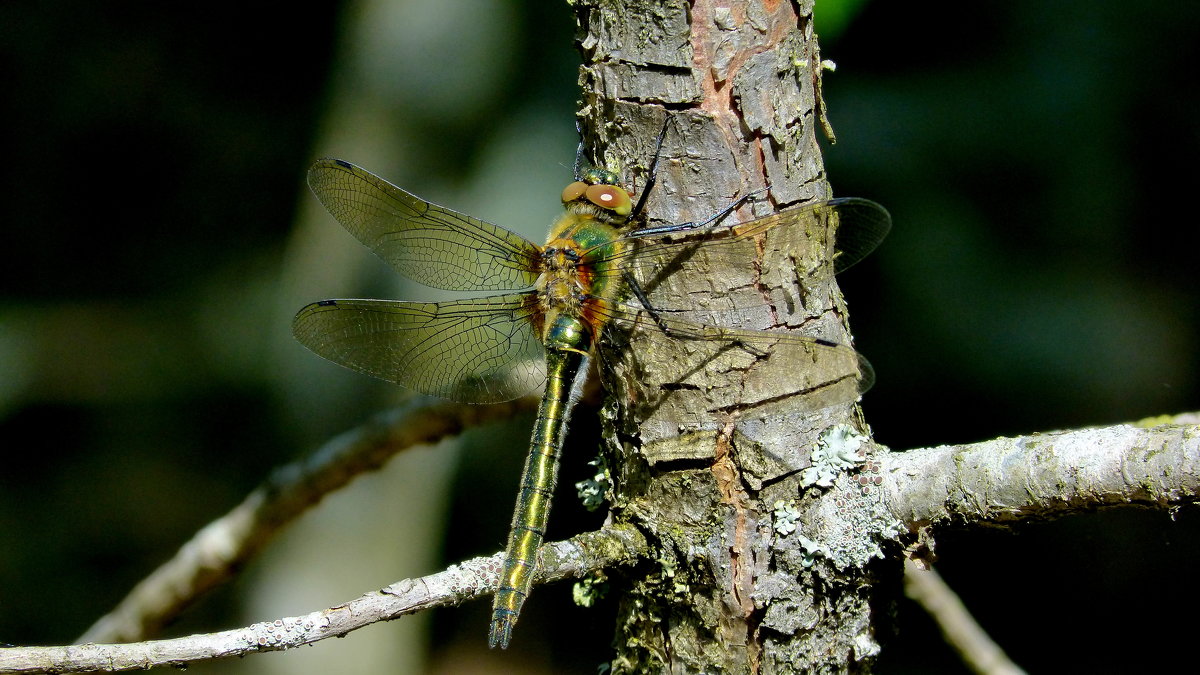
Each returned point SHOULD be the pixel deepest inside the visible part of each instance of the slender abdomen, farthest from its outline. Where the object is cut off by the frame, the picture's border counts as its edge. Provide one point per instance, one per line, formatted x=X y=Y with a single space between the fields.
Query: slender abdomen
x=563 y=369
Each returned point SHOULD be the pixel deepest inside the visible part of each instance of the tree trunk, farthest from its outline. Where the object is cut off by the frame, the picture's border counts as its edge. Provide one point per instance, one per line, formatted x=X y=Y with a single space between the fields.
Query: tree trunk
x=706 y=458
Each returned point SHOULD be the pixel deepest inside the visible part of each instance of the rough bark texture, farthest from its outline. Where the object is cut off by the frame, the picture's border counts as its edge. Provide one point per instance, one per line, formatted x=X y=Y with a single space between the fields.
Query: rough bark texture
x=701 y=462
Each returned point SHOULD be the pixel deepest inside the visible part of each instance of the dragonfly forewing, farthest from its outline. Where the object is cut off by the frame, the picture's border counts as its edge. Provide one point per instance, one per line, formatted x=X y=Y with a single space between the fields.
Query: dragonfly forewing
x=845 y=230
x=748 y=275
x=481 y=350
x=425 y=242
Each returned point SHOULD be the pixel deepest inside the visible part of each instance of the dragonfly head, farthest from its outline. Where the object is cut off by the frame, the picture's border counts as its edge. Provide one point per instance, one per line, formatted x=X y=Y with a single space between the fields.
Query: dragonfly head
x=598 y=187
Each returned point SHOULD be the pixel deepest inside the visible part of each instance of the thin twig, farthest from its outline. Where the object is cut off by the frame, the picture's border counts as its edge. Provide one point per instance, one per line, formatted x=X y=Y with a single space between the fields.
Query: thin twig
x=574 y=557
x=967 y=637
x=221 y=547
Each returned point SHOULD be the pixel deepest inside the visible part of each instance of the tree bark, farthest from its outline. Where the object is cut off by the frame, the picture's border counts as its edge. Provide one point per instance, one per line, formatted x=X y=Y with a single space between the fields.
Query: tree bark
x=709 y=475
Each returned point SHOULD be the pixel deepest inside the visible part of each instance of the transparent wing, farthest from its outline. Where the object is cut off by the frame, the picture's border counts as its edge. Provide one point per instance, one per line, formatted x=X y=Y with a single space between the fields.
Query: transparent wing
x=821 y=373
x=482 y=350
x=853 y=227
x=425 y=242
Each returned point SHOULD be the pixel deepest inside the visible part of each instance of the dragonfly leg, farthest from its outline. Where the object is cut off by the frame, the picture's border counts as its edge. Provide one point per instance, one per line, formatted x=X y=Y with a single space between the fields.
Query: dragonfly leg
x=641 y=203
x=669 y=331
x=640 y=294
x=709 y=222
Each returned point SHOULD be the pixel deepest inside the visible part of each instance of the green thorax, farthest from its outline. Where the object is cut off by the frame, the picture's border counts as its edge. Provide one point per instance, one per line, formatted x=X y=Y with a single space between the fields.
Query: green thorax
x=583 y=251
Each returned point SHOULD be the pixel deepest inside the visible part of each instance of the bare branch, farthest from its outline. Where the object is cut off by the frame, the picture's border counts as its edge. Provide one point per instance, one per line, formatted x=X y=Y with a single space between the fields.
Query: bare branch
x=216 y=551
x=1045 y=475
x=574 y=557
x=978 y=651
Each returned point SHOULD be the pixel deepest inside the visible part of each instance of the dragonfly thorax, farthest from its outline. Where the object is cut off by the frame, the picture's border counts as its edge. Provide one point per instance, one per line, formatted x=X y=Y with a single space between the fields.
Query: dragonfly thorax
x=575 y=270
x=562 y=281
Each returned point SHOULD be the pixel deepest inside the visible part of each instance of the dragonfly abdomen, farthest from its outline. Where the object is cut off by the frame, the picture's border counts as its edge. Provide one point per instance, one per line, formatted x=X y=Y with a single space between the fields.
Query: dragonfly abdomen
x=565 y=370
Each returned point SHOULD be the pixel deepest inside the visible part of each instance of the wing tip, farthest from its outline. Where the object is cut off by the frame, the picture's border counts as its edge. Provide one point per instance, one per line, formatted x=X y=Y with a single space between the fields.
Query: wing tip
x=299 y=329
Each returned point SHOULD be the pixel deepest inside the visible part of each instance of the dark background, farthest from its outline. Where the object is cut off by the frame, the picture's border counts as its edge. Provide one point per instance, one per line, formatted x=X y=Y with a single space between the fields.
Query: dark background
x=1037 y=160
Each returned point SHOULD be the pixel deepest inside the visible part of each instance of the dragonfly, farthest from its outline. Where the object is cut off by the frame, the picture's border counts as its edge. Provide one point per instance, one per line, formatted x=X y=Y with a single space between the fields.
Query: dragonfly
x=549 y=305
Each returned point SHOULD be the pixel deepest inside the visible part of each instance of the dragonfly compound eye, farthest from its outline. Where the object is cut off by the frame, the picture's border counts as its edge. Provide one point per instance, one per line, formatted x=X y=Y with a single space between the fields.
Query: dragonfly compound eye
x=573 y=191
x=610 y=197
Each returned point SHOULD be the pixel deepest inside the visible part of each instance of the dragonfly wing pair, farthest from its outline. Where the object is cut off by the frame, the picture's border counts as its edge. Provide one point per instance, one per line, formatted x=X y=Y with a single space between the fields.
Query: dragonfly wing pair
x=480 y=350
x=801 y=242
